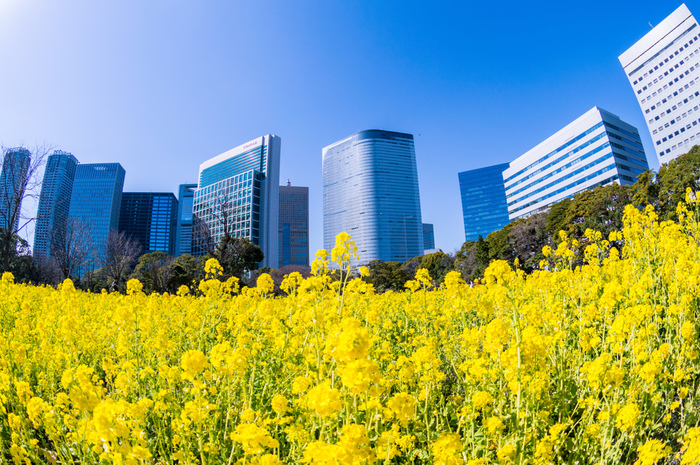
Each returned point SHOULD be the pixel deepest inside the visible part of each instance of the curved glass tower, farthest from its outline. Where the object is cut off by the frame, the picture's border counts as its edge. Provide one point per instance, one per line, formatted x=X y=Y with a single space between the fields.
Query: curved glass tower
x=370 y=190
x=54 y=202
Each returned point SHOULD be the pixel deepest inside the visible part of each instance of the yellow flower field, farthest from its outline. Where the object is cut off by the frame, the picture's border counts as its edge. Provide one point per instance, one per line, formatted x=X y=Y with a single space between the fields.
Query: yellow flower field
x=598 y=364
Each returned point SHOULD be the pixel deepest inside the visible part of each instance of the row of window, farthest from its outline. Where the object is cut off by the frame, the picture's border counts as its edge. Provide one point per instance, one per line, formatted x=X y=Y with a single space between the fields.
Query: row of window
x=667 y=73
x=668 y=98
x=663 y=50
x=671 y=83
x=677 y=132
x=554 y=162
x=607 y=156
x=570 y=186
x=630 y=142
x=681 y=144
x=561 y=168
x=683 y=115
x=554 y=152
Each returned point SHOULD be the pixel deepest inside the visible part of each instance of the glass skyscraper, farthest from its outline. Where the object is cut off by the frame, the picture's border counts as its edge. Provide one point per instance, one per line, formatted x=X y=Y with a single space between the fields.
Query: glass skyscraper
x=663 y=68
x=370 y=190
x=13 y=179
x=151 y=219
x=428 y=236
x=183 y=244
x=484 y=204
x=294 y=226
x=54 y=201
x=238 y=193
x=597 y=148
x=96 y=202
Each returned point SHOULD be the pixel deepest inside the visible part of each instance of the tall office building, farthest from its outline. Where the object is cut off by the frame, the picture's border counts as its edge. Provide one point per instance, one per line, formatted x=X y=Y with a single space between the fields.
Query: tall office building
x=183 y=241
x=484 y=204
x=428 y=236
x=663 y=68
x=597 y=148
x=96 y=202
x=13 y=179
x=370 y=190
x=239 y=191
x=54 y=200
x=151 y=219
x=294 y=226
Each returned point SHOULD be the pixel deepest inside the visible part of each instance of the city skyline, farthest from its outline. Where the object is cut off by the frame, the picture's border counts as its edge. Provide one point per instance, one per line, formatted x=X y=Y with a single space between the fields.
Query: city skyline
x=181 y=86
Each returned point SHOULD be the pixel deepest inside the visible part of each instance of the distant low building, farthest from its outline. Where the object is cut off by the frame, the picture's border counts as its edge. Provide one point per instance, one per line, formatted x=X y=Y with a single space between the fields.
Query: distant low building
x=428 y=237
x=183 y=237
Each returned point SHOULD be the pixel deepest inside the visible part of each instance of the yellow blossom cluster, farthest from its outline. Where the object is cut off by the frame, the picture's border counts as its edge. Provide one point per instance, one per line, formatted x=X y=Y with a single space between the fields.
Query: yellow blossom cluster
x=598 y=363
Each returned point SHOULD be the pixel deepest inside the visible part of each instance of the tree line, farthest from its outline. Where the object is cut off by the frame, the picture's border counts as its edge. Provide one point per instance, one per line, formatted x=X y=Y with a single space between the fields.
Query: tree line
x=520 y=243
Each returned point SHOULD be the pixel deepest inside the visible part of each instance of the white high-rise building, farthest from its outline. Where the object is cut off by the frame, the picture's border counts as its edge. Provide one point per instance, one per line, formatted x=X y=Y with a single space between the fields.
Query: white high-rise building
x=596 y=149
x=663 y=68
x=238 y=194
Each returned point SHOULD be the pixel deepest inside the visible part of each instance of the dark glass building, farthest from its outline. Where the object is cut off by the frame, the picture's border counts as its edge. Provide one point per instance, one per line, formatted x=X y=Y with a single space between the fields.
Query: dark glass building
x=96 y=201
x=484 y=204
x=151 y=219
x=294 y=226
x=54 y=201
x=12 y=181
x=428 y=236
x=183 y=239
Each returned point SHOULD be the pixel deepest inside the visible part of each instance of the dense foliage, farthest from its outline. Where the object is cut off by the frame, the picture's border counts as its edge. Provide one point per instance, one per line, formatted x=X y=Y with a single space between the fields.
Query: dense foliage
x=596 y=363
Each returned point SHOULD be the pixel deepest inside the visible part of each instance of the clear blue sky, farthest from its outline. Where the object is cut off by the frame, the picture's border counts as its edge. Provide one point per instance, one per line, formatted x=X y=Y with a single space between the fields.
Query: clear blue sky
x=161 y=86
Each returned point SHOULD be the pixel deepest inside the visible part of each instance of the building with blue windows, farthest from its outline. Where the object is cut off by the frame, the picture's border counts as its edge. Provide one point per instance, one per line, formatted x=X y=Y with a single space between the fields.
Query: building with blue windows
x=484 y=204
x=96 y=202
x=150 y=218
x=370 y=190
x=183 y=241
x=294 y=226
x=596 y=149
x=54 y=201
x=663 y=68
x=13 y=183
x=428 y=236
x=238 y=194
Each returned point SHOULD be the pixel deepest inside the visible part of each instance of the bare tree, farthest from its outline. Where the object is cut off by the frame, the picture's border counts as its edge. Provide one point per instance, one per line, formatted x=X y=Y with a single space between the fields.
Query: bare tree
x=19 y=180
x=202 y=238
x=218 y=211
x=236 y=255
x=120 y=254
x=70 y=246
